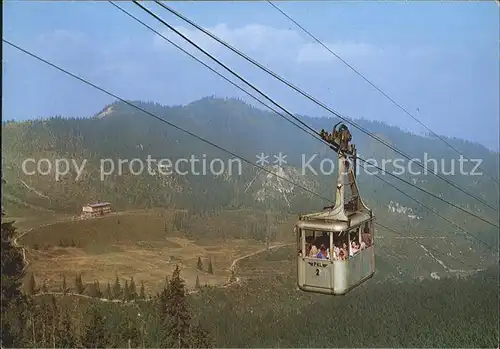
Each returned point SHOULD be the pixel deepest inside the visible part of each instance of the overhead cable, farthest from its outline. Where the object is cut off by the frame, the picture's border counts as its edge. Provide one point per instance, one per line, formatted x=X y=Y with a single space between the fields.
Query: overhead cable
x=315 y=135
x=297 y=89
x=357 y=72
x=267 y=97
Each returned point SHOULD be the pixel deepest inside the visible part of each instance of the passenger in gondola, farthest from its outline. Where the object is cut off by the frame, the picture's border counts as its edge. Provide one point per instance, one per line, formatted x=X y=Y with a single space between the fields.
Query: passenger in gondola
x=342 y=255
x=354 y=248
x=313 y=252
x=322 y=252
x=336 y=253
x=345 y=250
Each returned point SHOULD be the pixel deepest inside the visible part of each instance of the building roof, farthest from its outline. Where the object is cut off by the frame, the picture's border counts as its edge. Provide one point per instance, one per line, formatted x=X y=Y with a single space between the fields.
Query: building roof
x=99 y=204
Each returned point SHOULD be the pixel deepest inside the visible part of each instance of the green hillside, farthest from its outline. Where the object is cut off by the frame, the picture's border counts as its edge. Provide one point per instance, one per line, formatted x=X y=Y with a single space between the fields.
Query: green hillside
x=269 y=312
x=122 y=132
x=402 y=306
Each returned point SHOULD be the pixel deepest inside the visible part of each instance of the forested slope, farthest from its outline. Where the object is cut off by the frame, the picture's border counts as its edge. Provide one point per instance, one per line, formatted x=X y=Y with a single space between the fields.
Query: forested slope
x=121 y=132
x=269 y=312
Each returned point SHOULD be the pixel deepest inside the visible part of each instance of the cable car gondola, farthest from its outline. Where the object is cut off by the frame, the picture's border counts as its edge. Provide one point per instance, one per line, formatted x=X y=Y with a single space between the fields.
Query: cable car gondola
x=335 y=246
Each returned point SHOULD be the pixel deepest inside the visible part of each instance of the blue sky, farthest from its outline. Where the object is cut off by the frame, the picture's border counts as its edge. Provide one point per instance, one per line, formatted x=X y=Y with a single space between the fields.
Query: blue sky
x=441 y=58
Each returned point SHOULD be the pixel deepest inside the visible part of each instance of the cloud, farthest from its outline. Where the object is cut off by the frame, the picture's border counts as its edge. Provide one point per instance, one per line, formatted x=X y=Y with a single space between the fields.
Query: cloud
x=268 y=42
x=61 y=40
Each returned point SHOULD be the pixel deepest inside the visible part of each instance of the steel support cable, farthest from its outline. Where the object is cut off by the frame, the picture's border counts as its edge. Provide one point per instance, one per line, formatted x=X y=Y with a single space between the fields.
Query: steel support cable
x=309 y=131
x=429 y=193
x=438 y=214
x=357 y=72
x=316 y=135
x=152 y=14
x=161 y=119
x=295 y=88
x=155 y=116
x=264 y=95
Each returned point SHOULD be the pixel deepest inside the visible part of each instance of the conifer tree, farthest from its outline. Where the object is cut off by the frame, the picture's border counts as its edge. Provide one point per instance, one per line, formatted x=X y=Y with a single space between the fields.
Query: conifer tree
x=66 y=336
x=32 y=323
x=132 y=289
x=31 y=288
x=18 y=317
x=43 y=329
x=199 y=338
x=142 y=294
x=127 y=333
x=117 y=289
x=108 y=294
x=91 y=290
x=210 y=267
x=95 y=333
x=161 y=316
x=80 y=287
x=54 y=322
x=11 y=281
x=64 y=287
x=95 y=290
x=176 y=315
x=126 y=292
x=197 y=285
x=200 y=264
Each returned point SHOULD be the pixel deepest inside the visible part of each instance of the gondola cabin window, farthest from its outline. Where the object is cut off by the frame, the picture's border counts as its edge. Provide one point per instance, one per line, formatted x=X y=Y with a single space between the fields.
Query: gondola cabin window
x=354 y=242
x=367 y=235
x=333 y=245
x=298 y=233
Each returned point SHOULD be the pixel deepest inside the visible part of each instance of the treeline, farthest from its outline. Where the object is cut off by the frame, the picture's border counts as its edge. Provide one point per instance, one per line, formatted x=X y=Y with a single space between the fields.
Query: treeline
x=30 y=319
x=263 y=226
x=46 y=321
x=127 y=292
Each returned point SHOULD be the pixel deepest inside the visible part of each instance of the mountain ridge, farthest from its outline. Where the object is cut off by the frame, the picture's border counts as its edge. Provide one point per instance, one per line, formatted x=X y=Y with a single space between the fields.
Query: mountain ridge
x=126 y=133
